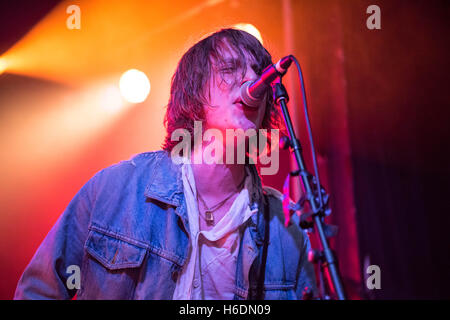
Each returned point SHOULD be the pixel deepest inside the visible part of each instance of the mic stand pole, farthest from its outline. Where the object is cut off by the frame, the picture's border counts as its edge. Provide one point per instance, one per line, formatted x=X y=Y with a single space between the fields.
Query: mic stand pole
x=281 y=97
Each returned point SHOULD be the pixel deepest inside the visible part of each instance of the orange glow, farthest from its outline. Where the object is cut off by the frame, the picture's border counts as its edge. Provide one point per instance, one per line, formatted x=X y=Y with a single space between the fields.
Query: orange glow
x=113 y=34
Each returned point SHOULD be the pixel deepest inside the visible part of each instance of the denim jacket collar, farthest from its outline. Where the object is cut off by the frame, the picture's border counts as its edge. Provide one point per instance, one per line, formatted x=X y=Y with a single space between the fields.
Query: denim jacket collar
x=166 y=185
x=165 y=181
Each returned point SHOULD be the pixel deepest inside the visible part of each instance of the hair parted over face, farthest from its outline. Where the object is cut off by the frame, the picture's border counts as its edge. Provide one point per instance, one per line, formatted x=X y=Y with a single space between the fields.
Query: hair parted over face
x=191 y=81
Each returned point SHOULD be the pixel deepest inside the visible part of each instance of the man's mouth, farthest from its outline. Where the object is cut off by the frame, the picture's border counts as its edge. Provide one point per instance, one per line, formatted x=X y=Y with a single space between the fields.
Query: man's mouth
x=243 y=106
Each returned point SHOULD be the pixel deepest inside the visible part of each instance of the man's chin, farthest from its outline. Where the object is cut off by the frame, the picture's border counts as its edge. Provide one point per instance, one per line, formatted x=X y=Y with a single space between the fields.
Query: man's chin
x=248 y=124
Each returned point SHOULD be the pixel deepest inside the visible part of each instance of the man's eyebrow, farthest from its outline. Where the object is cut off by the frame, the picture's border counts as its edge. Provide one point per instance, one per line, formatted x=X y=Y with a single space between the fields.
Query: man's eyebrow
x=238 y=62
x=233 y=61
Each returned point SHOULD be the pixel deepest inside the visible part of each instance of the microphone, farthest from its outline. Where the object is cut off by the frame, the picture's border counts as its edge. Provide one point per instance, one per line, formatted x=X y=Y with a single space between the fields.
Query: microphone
x=252 y=92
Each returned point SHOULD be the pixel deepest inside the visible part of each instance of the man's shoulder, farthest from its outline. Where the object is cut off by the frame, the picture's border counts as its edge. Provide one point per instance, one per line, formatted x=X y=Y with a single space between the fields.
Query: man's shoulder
x=274 y=193
x=277 y=197
x=139 y=160
x=138 y=165
x=144 y=158
x=276 y=204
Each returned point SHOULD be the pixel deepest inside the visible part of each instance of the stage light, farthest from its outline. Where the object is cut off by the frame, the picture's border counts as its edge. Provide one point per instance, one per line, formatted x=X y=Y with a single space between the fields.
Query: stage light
x=134 y=86
x=111 y=99
x=247 y=27
x=3 y=65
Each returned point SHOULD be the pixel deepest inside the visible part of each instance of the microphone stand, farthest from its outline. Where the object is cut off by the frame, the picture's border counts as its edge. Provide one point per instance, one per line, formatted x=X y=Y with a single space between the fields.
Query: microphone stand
x=326 y=256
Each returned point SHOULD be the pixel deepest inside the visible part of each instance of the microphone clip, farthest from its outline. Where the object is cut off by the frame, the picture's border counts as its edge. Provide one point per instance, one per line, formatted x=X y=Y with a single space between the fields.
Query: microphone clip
x=279 y=92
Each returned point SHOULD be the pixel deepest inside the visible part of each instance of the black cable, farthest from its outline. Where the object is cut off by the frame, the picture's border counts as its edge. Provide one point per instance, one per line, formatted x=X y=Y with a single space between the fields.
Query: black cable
x=308 y=126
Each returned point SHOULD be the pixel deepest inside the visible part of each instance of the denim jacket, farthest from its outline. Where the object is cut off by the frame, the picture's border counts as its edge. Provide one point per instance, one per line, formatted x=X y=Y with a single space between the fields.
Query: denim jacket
x=126 y=231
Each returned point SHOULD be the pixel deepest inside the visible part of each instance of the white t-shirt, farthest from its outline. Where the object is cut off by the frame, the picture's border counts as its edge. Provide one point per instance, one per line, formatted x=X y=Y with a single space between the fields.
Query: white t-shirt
x=210 y=270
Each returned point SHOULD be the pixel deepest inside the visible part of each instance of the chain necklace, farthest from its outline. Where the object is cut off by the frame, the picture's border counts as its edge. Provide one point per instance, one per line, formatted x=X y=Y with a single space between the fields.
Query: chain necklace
x=209 y=216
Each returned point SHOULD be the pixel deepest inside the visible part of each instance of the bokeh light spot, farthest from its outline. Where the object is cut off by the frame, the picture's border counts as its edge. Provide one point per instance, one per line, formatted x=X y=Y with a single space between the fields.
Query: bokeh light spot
x=134 y=86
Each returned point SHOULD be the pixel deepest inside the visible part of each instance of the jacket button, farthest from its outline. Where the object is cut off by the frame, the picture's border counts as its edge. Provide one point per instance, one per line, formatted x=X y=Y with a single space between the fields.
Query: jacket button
x=196 y=283
x=175 y=275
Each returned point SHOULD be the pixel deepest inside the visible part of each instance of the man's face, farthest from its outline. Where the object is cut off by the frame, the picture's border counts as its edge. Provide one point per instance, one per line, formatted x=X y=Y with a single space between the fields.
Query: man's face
x=225 y=110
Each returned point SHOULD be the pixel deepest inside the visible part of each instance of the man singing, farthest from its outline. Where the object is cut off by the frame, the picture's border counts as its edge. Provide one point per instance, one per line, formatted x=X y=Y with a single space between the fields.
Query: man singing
x=155 y=228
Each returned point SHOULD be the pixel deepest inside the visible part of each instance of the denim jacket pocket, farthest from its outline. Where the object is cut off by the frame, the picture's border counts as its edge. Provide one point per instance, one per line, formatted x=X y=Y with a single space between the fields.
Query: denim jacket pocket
x=111 y=266
x=114 y=252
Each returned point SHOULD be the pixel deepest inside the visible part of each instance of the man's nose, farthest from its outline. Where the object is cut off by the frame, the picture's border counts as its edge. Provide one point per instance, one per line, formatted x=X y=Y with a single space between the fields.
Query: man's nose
x=250 y=75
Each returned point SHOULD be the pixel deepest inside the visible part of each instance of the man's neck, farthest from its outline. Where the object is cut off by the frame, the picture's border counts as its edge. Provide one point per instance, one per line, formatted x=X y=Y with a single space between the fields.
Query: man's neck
x=216 y=181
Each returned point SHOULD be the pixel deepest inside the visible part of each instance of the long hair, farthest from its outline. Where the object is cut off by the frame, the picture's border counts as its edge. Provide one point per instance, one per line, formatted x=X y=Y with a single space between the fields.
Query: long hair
x=188 y=95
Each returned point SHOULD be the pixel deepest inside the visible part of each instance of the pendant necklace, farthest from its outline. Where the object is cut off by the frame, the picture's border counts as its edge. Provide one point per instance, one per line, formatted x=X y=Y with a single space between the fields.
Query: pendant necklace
x=209 y=216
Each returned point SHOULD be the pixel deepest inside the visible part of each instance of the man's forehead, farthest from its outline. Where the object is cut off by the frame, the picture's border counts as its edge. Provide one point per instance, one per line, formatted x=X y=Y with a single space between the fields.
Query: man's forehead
x=229 y=55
